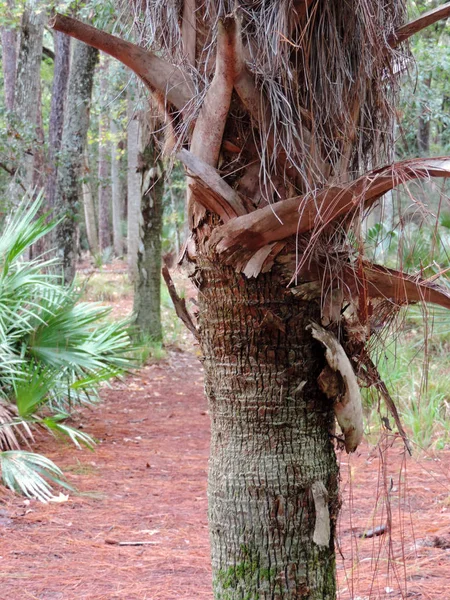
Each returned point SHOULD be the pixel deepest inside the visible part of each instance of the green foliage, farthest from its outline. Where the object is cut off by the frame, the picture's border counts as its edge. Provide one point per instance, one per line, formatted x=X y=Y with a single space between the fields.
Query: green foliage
x=418 y=379
x=54 y=350
x=425 y=94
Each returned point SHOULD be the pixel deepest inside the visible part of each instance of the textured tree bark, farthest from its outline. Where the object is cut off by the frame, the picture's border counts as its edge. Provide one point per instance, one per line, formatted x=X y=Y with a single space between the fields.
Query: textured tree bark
x=56 y=120
x=28 y=81
x=9 y=62
x=104 y=188
x=133 y=187
x=68 y=184
x=270 y=446
x=89 y=210
x=116 y=190
x=147 y=291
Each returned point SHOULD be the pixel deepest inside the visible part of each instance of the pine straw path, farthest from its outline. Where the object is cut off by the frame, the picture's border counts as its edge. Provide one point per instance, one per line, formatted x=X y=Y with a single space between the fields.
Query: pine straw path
x=146 y=482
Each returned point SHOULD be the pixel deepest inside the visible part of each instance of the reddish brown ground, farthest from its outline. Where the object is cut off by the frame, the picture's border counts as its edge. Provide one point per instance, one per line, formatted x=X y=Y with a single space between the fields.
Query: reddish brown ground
x=146 y=482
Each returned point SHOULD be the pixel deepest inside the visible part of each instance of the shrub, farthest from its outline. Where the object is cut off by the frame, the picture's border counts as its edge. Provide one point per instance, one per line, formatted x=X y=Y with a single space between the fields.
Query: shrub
x=54 y=353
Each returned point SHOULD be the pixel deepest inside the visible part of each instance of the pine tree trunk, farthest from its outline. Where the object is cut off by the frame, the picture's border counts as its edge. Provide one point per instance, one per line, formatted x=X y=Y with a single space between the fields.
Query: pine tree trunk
x=89 y=210
x=104 y=188
x=70 y=171
x=147 y=290
x=116 y=189
x=56 y=120
x=28 y=82
x=133 y=188
x=270 y=449
x=9 y=62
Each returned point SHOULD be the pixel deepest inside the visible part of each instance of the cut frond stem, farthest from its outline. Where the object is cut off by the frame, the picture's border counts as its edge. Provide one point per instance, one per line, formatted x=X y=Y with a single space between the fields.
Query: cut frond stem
x=224 y=201
x=401 y=288
x=155 y=72
x=413 y=27
x=208 y=131
x=316 y=212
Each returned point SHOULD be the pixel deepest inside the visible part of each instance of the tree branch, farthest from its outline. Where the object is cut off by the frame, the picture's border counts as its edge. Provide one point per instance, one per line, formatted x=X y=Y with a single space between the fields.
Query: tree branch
x=425 y=20
x=303 y=213
x=155 y=72
x=383 y=283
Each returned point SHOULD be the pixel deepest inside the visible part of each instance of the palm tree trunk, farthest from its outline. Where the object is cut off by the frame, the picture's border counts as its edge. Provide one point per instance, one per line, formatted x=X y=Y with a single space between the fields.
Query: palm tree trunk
x=271 y=452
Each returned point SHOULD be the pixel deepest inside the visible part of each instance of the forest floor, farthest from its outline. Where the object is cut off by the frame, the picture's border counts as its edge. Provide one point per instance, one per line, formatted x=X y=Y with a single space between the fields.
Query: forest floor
x=137 y=529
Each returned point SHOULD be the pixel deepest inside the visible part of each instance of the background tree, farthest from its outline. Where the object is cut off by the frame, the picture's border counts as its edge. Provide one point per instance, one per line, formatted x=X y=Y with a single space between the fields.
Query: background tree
x=68 y=185
x=104 y=168
x=56 y=119
x=284 y=106
x=27 y=87
x=147 y=288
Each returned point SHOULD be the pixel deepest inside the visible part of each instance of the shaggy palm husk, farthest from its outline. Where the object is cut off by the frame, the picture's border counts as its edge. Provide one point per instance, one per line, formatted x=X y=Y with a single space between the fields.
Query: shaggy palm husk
x=328 y=78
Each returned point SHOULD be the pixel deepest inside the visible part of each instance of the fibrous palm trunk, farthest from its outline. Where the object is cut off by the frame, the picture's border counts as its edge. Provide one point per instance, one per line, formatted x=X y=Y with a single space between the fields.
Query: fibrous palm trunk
x=270 y=442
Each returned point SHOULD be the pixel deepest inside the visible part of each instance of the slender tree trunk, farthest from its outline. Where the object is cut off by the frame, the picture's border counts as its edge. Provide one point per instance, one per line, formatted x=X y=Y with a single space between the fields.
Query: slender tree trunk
x=423 y=135
x=56 y=120
x=89 y=210
x=147 y=291
x=68 y=184
x=133 y=188
x=116 y=188
x=28 y=81
x=270 y=442
x=9 y=62
x=104 y=188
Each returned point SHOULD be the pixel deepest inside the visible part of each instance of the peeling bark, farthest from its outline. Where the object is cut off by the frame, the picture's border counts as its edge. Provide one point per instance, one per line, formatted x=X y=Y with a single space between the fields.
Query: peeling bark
x=347 y=405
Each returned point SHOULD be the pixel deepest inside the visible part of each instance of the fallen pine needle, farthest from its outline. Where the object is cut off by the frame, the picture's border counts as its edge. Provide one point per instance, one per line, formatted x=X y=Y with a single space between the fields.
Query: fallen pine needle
x=117 y=543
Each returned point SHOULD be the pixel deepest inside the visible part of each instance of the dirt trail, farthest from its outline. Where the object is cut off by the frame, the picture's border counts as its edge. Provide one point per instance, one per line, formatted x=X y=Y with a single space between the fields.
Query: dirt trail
x=146 y=482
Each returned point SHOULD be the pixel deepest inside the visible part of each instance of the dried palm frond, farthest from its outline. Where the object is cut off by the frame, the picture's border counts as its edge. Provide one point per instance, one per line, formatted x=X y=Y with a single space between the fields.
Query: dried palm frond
x=11 y=426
